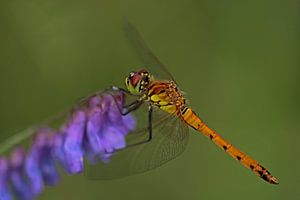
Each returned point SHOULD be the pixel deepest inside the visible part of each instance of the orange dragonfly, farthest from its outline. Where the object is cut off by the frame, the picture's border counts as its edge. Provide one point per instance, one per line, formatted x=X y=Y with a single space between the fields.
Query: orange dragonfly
x=163 y=121
x=155 y=92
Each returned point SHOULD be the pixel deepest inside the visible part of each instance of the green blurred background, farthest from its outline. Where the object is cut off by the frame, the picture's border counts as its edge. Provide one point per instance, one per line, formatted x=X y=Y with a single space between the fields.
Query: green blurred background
x=237 y=61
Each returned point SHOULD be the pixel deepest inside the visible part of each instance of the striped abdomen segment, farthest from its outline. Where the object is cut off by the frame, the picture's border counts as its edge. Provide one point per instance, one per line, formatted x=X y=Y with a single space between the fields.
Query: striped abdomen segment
x=195 y=122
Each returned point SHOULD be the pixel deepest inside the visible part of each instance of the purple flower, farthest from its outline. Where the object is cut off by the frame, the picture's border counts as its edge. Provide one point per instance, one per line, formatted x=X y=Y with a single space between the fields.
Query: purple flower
x=4 y=171
x=74 y=131
x=58 y=151
x=106 y=127
x=40 y=164
x=95 y=130
x=17 y=177
x=94 y=126
x=32 y=168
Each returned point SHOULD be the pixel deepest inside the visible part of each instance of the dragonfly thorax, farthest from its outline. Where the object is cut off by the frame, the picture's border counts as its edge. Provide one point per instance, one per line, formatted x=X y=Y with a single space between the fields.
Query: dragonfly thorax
x=166 y=96
x=137 y=82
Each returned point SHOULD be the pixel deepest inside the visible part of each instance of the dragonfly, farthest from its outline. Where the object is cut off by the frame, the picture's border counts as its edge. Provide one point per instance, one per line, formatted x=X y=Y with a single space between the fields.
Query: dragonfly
x=168 y=120
x=163 y=121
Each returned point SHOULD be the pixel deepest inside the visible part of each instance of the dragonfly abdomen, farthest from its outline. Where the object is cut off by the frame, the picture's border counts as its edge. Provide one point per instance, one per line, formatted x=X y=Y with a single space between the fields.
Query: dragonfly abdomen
x=195 y=122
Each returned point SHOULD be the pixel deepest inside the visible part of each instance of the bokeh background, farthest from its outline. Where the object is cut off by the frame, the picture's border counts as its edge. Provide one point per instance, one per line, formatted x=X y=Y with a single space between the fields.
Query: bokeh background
x=238 y=62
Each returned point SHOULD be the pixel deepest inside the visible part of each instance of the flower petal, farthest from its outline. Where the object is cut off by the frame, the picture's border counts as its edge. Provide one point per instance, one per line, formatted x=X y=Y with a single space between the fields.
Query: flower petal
x=49 y=171
x=33 y=172
x=129 y=122
x=94 y=125
x=115 y=138
x=17 y=179
x=73 y=142
x=4 y=171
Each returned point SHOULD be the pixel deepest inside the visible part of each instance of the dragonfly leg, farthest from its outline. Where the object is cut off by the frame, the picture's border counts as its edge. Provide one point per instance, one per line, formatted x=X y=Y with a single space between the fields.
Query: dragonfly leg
x=150 y=122
x=149 y=136
x=149 y=129
x=132 y=106
x=129 y=107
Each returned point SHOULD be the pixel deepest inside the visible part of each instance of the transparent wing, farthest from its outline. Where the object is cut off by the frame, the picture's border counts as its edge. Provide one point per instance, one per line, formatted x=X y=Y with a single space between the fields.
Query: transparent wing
x=148 y=58
x=170 y=137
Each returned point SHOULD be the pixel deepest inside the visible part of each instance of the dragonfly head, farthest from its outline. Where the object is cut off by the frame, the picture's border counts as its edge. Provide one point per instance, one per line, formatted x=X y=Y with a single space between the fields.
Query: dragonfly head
x=136 y=82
